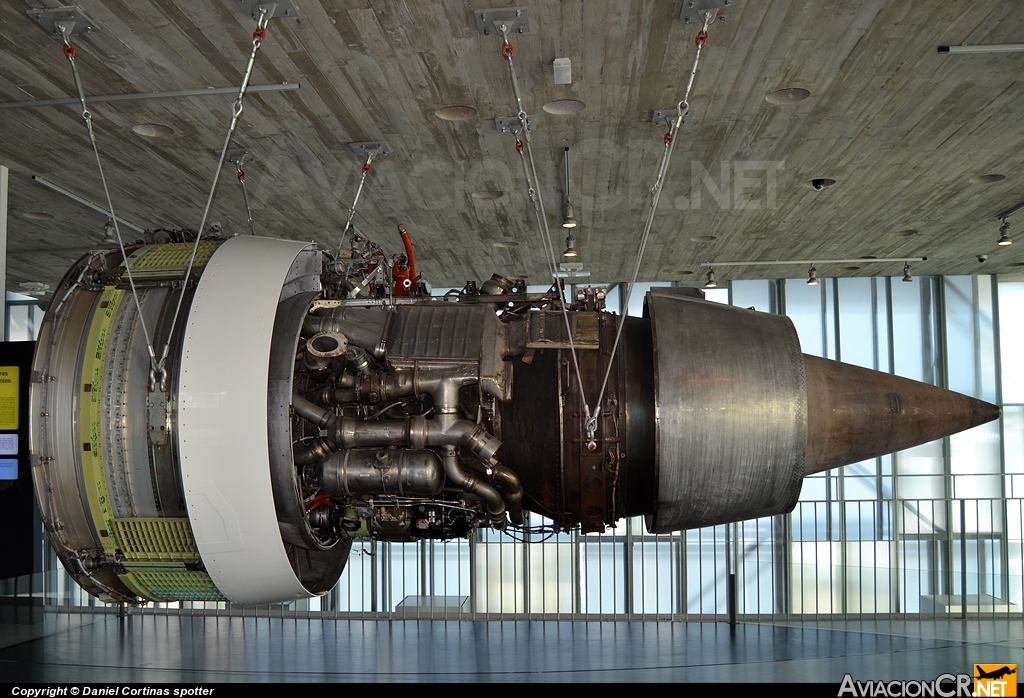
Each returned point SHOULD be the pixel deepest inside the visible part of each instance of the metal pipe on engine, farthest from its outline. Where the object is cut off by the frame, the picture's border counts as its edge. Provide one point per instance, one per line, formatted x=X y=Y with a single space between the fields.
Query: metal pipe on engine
x=402 y=472
x=471 y=484
x=513 y=493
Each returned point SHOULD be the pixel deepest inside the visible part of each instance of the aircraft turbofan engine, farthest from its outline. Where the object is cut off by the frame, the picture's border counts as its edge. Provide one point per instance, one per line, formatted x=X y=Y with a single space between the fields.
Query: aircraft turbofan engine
x=297 y=411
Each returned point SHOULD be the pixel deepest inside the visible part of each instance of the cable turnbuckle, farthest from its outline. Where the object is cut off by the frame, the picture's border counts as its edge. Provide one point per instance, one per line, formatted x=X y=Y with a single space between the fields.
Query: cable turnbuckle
x=702 y=39
x=507 y=50
x=69 y=50
x=259 y=35
x=520 y=145
x=669 y=138
x=365 y=169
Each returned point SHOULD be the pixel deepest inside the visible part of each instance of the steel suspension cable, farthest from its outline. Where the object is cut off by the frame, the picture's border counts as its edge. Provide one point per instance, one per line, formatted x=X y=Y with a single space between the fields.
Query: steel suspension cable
x=355 y=200
x=245 y=198
x=70 y=52
x=669 y=141
x=530 y=171
x=236 y=110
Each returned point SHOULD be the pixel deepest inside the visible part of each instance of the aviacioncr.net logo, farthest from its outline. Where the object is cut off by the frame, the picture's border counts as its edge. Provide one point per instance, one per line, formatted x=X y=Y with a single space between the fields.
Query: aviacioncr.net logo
x=944 y=686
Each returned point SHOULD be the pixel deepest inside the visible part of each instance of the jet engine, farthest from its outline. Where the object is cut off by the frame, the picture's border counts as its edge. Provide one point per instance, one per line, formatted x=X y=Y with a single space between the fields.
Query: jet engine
x=308 y=400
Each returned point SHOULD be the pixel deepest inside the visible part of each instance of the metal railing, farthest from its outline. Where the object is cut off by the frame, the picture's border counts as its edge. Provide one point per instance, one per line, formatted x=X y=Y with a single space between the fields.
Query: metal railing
x=879 y=559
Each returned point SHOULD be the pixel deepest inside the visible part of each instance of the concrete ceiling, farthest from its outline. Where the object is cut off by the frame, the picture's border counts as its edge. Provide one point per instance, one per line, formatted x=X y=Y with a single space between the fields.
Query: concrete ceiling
x=899 y=127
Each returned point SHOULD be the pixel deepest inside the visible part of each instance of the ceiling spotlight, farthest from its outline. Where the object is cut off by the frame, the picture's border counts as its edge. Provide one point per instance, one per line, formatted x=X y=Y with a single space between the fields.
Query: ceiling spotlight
x=570 y=247
x=569 y=221
x=906 y=272
x=711 y=283
x=1004 y=237
x=812 y=276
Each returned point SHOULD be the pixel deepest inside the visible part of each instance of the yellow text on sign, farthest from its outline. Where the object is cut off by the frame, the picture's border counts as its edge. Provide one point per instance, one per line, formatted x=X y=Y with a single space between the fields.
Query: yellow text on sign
x=8 y=398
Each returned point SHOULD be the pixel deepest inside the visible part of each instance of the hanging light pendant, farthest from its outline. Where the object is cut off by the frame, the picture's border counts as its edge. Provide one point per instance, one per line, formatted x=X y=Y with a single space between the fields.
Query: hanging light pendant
x=569 y=221
x=711 y=283
x=906 y=272
x=570 y=247
x=1004 y=234
x=812 y=276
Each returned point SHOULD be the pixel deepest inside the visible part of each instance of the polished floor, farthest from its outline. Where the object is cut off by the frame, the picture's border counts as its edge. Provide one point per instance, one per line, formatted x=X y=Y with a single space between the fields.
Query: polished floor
x=44 y=646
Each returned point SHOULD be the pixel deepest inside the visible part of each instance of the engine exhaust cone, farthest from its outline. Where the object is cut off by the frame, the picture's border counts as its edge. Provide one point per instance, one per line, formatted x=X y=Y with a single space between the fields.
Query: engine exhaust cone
x=855 y=413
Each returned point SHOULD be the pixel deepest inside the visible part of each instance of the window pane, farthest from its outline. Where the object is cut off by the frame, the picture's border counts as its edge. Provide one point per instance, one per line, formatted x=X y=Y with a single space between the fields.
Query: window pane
x=1011 y=339
x=754 y=294
x=856 y=323
x=18 y=324
x=804 y=308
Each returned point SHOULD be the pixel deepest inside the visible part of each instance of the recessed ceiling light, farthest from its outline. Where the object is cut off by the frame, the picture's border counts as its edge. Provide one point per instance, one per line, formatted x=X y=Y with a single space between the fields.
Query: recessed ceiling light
x=787 y=96
x=868 y=256
x=904 y=233
x=153 y=130
x=455 y=113
x=703 y=238
x=505 y=244
x=987 y=178
x=38 y=216
x=687 y=271
x=488 y=194
x=850 y=267
x=565 y=107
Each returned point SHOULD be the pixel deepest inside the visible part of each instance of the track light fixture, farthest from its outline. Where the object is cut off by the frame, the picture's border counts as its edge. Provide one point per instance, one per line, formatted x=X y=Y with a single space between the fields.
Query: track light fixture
x=906 y=272
x=812 y=276
x=711 y=283
x=1004 y=233
x=570 y=247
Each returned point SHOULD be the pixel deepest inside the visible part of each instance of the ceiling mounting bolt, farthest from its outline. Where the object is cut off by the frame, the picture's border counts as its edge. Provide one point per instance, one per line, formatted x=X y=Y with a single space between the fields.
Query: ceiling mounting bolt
x=520 y=30
x=691 y=5
x=519 y=13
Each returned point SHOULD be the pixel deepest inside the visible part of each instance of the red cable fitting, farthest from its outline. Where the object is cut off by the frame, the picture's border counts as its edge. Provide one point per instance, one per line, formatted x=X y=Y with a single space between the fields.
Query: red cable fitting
x=508 y=50
x=702 y=38
x=591 y=446
x=259 y=35
x=668 y=139
x=69 y=50
x=366 y=169
x=520 y=146
x=241 y=175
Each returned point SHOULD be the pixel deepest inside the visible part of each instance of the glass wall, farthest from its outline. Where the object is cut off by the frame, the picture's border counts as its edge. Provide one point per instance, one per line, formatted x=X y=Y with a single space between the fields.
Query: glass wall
x=24 y=315
x=917 y=532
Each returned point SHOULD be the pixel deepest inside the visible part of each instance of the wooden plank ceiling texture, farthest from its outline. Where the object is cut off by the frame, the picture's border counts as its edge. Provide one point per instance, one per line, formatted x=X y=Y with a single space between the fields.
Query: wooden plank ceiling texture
x=901 y=128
